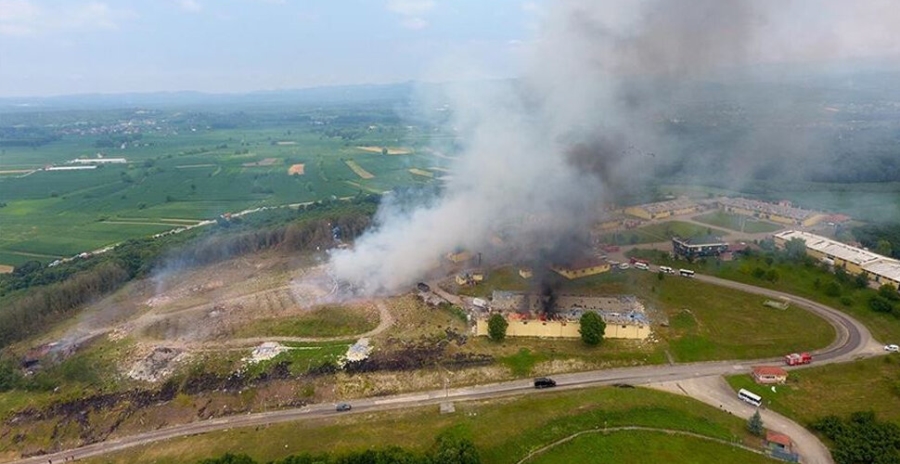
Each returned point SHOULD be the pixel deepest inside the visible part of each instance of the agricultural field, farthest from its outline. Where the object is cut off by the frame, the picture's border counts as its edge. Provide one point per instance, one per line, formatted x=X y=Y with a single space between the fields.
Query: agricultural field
x=660 y=232
x=183 y=168
x=499 y=428
x=737 y=223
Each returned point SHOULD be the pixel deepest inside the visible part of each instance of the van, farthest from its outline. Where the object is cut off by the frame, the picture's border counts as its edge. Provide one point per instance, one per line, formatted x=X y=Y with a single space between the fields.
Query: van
x=642 y=266
x=544 y=382
x=667 y=269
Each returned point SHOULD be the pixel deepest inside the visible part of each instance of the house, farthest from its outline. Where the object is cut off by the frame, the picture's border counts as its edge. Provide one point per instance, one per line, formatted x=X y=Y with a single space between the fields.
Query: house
x=767 y=375
x=526 y=272
x=780 y=446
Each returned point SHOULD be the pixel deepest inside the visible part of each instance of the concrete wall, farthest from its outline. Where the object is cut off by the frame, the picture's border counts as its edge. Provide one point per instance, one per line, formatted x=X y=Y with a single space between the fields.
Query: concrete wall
x=560 y=329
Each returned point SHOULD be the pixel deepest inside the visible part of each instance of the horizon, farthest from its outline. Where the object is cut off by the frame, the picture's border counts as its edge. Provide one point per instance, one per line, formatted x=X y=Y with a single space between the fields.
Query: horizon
x=58 y=48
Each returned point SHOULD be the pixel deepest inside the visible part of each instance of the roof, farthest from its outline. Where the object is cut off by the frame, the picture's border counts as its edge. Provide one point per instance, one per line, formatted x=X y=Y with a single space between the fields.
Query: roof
x=780 y=438
x=769 y=370
x=701 y=240
x=670 y=205
x=889 y=268
x=831 y=247
x=585 y=263
x=783 y=210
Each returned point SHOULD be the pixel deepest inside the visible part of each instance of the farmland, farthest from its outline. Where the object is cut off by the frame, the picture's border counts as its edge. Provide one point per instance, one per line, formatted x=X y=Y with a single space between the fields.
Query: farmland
x=182 y=168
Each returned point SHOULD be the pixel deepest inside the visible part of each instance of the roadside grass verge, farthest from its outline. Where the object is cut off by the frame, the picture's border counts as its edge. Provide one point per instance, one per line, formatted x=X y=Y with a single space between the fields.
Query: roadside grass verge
x=504 y=430
x=325 y=321
x=737 y=222
x=840 y=389
x=660 y=232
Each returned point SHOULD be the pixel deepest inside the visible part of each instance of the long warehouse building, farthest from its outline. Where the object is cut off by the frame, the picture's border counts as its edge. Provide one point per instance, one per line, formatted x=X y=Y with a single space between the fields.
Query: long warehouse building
x=878 y=268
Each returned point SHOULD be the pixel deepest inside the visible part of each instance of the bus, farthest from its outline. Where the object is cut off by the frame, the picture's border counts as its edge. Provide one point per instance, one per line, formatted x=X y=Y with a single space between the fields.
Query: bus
x=686 y=272
x=750 y=397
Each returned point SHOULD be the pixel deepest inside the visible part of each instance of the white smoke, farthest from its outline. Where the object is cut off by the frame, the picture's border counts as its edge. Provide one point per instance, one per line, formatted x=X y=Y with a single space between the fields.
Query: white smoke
x=543 y=153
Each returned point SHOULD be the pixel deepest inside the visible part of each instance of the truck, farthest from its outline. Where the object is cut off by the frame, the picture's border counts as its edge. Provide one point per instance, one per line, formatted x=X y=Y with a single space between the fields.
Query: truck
x=796 y=359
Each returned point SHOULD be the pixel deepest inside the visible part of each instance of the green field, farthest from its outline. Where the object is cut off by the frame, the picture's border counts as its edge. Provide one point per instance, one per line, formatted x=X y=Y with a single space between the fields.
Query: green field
x=737 y=222
x=840 y=389
x=800 y=279
x=642 y=446
x=326 y=321
x=503 y=430
x=660 y=232
x=192 y=172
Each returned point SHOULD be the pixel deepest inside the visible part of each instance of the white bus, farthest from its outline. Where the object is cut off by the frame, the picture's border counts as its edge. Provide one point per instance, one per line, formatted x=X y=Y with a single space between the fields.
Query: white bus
x=749 y=397
x=686 y=272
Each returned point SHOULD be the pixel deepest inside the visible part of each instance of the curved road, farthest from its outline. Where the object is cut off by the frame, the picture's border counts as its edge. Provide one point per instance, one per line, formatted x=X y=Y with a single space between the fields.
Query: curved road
x=853 y=341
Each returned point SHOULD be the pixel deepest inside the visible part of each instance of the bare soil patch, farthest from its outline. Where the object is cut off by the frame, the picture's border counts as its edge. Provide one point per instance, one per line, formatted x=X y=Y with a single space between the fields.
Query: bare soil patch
x=5 y=269
x=362 y=173
x=298 y=169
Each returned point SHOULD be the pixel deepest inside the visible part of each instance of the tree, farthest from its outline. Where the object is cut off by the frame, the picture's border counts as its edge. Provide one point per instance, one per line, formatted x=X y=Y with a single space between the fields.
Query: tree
x=755 y=425
x=888 y=292
x=592 y=328
x=861 y=280
x=497 y=327
x=795 y=249
x=884 y=248
x=450 y=448
x=832 y=289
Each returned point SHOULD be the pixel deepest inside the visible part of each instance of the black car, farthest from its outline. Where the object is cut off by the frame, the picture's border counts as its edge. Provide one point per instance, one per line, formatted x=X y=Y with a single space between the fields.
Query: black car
x=544 y=382
x=342 y=407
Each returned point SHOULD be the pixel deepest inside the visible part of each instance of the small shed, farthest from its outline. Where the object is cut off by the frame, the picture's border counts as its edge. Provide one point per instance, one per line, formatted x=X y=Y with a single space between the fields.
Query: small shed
x=767 y=375
x=780 y=446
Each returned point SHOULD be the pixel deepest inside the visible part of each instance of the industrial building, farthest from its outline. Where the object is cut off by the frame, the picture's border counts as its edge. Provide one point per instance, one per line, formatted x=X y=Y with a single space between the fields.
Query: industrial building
x=663 y=209
x=699 y=247
x=782 y=212
x=583 y=268
x=624 y=315
x=879 y=269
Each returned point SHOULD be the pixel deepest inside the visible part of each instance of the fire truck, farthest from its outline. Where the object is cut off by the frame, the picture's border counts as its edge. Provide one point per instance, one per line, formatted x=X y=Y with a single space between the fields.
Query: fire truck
x=795 y=359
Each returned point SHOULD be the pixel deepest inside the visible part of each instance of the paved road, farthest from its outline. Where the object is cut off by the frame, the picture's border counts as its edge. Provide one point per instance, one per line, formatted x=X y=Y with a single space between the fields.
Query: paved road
x=854 y=341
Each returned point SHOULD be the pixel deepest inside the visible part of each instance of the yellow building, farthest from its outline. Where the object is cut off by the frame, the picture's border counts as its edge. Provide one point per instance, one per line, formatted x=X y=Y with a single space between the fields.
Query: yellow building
x=526 y=272
x=663 y=209
x=564 y=329
x=581 y=269
x=459 y=256
x=879 y=269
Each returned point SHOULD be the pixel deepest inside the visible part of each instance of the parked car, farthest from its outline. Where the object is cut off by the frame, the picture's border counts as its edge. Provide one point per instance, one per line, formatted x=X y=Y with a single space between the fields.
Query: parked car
x=343 y=407
x=892 y=348
x=544 y=382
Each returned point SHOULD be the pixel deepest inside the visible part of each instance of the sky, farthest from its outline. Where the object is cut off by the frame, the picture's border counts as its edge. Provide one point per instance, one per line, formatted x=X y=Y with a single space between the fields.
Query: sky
x=52 y=47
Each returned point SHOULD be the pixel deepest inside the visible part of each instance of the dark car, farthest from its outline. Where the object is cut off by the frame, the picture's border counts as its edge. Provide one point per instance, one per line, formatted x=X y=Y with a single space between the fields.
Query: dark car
x=342 y=407
x=544 y=382
x=423 y=287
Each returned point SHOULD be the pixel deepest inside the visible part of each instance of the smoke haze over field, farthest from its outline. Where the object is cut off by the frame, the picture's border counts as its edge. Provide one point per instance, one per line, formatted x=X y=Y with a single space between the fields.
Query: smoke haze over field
x=594 y=114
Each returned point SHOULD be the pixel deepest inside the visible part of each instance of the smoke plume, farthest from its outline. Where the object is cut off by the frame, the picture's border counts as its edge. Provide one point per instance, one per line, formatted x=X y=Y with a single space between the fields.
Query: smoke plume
x=597 y=112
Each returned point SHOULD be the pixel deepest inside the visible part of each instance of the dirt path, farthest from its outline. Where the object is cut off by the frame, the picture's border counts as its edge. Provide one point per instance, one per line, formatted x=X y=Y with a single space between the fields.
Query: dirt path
x=629 y=428
x=714 y=391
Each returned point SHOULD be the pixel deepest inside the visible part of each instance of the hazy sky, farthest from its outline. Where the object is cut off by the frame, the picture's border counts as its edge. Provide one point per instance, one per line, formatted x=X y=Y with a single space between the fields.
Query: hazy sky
x=74 y=46
x=52 y=47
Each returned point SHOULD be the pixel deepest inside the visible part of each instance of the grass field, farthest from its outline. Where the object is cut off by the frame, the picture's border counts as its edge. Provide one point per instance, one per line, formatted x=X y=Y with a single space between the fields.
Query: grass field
x=660 y=232
x=642 y=446
x=800 y=280
x=326 y=321
x=503 y=430
x=737 y=222
x=871 y=384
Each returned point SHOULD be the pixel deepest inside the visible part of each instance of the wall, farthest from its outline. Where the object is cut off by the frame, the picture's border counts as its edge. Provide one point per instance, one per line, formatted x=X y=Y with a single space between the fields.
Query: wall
x=559 y=329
